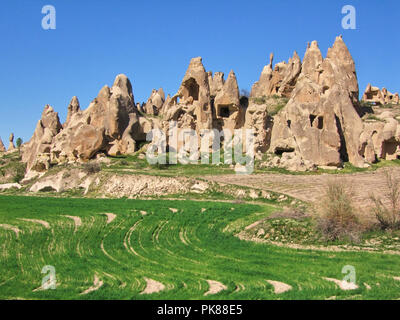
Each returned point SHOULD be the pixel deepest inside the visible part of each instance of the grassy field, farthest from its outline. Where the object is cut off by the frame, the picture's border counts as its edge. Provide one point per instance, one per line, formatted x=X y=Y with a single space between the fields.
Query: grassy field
x=180 y=248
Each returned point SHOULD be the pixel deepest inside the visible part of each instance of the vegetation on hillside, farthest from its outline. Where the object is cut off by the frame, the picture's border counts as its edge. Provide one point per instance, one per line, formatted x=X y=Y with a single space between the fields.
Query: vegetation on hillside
x=12 y=169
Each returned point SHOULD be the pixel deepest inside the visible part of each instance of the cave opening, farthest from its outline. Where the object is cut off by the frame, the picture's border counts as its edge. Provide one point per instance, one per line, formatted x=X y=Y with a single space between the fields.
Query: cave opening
x=244 y=102
x=192 y=88
x=320 y=122
x=389 y=149
x=312 y=118
x=280 y=151
x=224 y=112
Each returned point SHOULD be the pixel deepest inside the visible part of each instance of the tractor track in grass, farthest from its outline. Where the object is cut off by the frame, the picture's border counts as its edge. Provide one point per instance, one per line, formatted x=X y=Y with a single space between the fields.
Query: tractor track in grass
x=164 y=248
x=171 y=255
x=127 y=241
x=77 y=221
x=97 y=284
x=16 y=230
x=111 y=230
x=41 y=222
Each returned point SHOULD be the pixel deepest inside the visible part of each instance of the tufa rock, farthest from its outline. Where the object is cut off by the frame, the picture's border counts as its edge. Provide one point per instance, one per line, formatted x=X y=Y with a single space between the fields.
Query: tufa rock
x=379 y=97
x=73 y=108
x=279 y=81
x=100 y=127
x=227 y=105
x=2 y=147
x=36 y=152
x=216 y=82
x=320 y=121
x=380 y=139
x=261 y=87
x=319 y=126
x=257 y=119
x=11 y=146
x=155 y=102
x=195 y=91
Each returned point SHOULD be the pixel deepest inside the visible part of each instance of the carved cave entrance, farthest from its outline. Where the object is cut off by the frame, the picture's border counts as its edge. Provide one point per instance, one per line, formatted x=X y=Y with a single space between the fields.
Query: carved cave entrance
x=224 y=111
x=192 y=89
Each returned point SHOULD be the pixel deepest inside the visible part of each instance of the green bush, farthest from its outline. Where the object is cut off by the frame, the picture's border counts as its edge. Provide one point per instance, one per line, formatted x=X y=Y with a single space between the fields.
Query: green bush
x=19 y=174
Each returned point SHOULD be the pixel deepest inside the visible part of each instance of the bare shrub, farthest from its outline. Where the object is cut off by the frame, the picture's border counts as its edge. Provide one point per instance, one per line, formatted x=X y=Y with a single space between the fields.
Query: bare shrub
x=91 y=167
x=336 y=219
x=388 y=215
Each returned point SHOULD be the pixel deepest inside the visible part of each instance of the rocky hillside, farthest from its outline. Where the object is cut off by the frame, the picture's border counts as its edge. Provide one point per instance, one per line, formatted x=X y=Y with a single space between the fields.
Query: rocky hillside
x=305 y=111
x=12 y=170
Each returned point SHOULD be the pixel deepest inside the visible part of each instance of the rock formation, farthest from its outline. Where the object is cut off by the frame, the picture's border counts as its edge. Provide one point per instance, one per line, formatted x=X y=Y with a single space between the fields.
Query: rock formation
x=279 y=80
x=227 y=105
x=216 y=82
x=100 y=128
x=257 y=119
x=262 y=86
x=319 y=126
x=37 y=151
x=195 y=92
x=11 y=146
x=104 y=121
x=155 y=102
x=2 y=147
x=380 y=139
x=380 y=97
x=320 y=121
x=289 y=76
x=73 y=108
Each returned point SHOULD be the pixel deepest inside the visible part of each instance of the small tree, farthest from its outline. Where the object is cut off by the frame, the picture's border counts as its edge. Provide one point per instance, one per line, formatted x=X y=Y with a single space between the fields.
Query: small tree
x=19 y=144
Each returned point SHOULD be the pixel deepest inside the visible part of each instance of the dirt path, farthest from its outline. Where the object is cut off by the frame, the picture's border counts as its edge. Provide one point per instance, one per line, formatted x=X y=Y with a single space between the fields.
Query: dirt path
x=310 y=188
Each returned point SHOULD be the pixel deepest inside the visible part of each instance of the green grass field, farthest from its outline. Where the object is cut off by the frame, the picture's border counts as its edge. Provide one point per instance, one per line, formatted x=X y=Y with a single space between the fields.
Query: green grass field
x=181 y=250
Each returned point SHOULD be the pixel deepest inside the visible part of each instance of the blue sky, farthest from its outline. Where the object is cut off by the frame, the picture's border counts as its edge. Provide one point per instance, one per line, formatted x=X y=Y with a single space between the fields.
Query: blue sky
x=152 y=43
